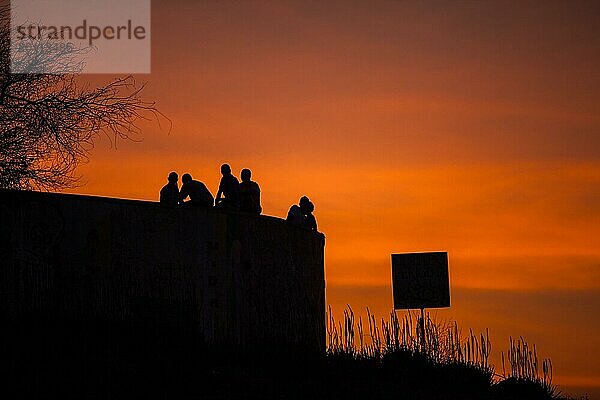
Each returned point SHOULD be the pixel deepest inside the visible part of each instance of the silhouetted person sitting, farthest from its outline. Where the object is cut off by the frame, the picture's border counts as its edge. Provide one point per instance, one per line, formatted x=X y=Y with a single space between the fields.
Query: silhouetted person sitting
x=310 y=221
x=301 y=214
x=230 y=188
x=249 y=194
x=169 y=194
x=296 y=212
x=197 y=191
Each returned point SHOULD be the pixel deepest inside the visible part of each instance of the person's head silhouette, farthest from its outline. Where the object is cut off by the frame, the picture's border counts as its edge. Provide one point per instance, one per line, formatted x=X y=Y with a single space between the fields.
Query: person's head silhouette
x=304 y=204
x=186 y=178
x=246 y=174
x=225 y=169
x=173 y=177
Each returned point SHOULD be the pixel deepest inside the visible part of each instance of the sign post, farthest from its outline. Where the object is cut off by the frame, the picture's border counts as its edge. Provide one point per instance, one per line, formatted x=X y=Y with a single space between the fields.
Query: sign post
x=420 y=280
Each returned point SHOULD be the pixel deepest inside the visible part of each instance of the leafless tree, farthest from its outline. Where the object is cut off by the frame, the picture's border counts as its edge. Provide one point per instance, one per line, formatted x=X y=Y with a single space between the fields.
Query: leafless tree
x=50 y=121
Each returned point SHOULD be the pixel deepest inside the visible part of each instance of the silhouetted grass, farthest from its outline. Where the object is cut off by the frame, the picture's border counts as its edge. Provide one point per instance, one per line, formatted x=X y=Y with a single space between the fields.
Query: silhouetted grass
x=439 y=343
x=524 y=370
x=80 y=357
x=434 y=351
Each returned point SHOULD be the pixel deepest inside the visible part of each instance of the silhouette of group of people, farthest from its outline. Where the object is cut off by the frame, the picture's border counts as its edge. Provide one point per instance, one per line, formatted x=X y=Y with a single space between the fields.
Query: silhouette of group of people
x=302 y=214
x=234 y=195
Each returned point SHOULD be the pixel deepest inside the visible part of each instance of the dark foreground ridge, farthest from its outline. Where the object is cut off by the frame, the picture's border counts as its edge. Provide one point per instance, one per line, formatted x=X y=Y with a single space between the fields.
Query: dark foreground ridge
x=94 y=285
x=237 y=279
x=107 y=298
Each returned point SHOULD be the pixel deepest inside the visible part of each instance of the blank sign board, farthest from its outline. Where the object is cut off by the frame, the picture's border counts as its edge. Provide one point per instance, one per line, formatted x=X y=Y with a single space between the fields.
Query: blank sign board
x=420 y=280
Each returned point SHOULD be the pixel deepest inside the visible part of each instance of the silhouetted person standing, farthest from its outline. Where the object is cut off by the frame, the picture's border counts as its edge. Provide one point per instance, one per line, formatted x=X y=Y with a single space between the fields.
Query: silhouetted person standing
x=249 y=194
x=230 y=188
x=169 y=194
x=196 y=190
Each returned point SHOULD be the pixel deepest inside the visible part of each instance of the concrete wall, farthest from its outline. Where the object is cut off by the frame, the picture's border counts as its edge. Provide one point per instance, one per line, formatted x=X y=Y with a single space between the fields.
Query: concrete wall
x=238 y=279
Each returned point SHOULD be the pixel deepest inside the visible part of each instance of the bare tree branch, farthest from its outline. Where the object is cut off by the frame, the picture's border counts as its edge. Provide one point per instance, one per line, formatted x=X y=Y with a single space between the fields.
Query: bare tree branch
x=49 y=122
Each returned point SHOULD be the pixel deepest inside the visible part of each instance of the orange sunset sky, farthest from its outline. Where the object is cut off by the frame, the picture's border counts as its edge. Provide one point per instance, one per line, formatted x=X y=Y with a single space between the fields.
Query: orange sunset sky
x=468 y=127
